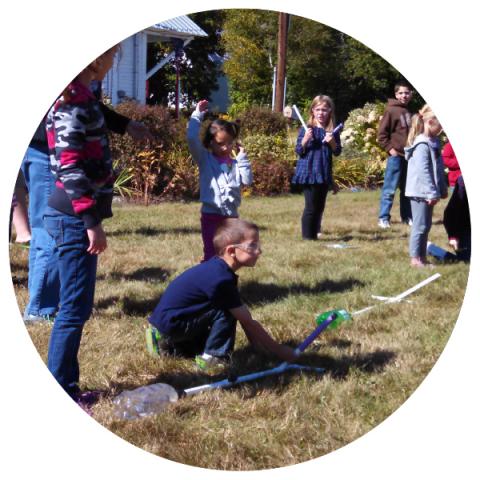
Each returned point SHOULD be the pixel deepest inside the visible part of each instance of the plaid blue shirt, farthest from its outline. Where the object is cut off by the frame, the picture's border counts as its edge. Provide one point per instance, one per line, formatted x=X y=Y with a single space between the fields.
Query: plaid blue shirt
x=314 y=164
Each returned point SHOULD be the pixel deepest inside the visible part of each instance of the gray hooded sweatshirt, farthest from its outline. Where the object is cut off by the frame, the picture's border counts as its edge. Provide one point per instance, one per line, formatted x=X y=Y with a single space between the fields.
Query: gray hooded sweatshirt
x=220 y=191
x=426 y=171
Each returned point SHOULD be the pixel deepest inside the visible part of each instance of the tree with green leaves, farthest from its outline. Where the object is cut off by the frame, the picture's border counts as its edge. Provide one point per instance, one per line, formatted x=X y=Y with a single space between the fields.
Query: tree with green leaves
x=320 y=59
x=249 y=39
x=312 y=60
x=198 y=69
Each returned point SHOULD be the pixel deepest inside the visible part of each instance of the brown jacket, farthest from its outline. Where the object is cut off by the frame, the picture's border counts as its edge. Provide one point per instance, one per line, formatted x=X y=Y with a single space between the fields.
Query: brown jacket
x=394 y=126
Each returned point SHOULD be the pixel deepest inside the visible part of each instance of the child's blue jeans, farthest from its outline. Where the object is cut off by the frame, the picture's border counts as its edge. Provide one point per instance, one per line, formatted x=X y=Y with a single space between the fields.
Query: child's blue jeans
x=77 y=270
x=212 y=333
x=43 y=281
x=442 y=255
x=422 y=214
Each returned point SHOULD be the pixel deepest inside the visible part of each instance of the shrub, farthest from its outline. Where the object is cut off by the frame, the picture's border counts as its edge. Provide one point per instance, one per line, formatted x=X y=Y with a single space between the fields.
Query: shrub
x=161 y=124
x=181 y=177
x=357 y=172
x=359 y=137
x=363 y=160
x=261 y=120
x=144 y=168
x=268 y=148
x=272 y=160
x=270 y=178
x=144 y=172
x=166 y=169
x=123 y=181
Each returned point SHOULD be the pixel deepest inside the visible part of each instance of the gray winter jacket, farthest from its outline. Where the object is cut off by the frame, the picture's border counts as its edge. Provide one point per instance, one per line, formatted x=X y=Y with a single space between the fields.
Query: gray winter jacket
x=220 y=191
x=426 y=171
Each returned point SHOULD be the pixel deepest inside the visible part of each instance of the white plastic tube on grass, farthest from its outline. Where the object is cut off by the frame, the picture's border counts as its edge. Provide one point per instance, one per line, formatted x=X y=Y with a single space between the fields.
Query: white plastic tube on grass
x=402 y=295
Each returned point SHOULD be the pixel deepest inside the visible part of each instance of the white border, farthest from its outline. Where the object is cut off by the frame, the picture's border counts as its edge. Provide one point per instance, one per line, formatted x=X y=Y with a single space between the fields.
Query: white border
x=432 y=434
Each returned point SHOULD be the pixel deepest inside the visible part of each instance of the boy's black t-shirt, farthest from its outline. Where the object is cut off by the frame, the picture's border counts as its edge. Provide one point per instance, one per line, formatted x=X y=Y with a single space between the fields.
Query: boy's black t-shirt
x=206 y=286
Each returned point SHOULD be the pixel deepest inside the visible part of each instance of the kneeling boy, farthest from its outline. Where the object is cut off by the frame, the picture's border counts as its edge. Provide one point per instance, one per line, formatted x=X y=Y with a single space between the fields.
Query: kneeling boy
x=199 y=310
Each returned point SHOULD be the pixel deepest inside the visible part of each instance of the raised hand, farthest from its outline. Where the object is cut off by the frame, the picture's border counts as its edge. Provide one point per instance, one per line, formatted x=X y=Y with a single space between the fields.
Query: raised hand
x=202 y=105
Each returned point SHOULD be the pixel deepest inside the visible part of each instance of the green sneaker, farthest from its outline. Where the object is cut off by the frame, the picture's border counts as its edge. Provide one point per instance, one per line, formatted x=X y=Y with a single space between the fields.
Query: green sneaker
x=157 y=344
x=152 y=338
x=210 y=363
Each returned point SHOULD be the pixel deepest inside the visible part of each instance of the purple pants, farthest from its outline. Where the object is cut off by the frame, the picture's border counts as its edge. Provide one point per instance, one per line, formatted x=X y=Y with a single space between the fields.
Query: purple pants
x=209 y=223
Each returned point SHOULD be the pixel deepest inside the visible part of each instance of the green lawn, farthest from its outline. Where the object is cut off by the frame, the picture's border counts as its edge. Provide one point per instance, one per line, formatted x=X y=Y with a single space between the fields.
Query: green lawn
x=373 y=363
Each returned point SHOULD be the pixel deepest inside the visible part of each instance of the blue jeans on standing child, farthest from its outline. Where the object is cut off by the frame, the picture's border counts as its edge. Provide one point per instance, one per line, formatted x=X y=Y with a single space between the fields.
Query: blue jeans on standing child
x=395 y=177
x=422 y=223
x=77 y=270
x=212 y=332
x=43 y=280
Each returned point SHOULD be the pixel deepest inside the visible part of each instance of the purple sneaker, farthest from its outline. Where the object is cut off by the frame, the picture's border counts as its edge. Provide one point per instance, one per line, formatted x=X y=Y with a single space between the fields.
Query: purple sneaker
x=86 y=400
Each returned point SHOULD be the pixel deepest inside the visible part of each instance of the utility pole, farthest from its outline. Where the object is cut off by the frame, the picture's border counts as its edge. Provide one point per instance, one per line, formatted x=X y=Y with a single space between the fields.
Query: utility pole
x=281 y=61
x=178 y=45
x=177 y=87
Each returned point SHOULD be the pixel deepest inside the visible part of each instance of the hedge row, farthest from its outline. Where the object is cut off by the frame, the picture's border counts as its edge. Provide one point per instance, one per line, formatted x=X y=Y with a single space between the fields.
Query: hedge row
x=165 y=170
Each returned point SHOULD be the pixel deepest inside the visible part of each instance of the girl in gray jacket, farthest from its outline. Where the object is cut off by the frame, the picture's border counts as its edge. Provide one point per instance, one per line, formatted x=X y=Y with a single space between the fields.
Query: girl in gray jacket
x=221 y=175
x=425 y=183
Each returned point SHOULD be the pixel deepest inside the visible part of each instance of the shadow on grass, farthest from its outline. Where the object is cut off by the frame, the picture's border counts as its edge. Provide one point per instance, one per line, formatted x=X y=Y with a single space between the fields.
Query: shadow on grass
x=260 y=293
x=104 y=303
x=139 y=307
x=366 y=235
x=20 y=281
x=146 y=274
x=339 y=368
x=18 y=266
x=153 y=231
x=129 y=306
x=246 y=362
x=19 y=273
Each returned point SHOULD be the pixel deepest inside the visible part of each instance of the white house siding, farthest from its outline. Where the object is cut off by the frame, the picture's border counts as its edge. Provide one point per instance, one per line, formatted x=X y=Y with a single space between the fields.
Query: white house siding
x=127 y=77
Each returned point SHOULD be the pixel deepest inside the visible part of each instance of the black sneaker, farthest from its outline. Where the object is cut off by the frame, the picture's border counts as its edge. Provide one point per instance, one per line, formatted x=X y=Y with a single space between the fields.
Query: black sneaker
x=86 y=400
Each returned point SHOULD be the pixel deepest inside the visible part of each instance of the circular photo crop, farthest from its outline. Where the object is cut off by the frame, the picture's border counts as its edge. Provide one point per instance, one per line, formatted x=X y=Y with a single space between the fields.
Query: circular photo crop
x=240 y=239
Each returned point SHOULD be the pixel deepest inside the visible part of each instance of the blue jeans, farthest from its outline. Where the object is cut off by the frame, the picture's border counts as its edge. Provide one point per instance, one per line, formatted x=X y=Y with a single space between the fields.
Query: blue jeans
x=462 y=255
x=77 y=270
x=395 y=177
x=213 y=333
x=43 y=279
x=440 y=254
x=422 y=223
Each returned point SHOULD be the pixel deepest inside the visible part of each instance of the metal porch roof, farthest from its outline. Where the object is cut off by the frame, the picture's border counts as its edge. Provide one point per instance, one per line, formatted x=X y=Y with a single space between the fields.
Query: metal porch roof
x=181 y=25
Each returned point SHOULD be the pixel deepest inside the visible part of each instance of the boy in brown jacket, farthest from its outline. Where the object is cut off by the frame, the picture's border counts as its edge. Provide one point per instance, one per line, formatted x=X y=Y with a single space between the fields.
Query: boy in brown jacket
x=392 y=136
